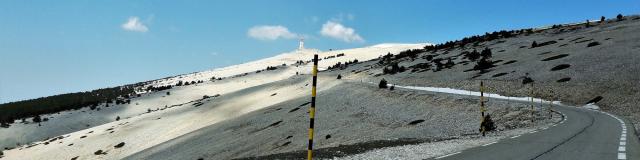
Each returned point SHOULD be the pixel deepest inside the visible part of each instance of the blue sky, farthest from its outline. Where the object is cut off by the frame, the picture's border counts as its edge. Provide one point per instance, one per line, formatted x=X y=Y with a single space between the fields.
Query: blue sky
x=53 y=47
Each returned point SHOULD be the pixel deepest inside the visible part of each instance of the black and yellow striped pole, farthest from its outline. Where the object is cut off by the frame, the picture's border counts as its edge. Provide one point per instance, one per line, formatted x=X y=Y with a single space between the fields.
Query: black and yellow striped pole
x=482 y=125
x=312 y=109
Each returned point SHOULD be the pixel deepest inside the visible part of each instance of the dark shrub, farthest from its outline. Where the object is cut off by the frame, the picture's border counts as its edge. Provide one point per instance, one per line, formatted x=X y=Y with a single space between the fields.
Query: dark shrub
x=509 y=62
x=486 y=53
x=121 y=144
x=619 y=17
x=99 y=152
x=339 y=76
x=534 y=44
x=499 y=74
x=555 y=57
x=587 y=24
x=392 y=87
x=595 y=100
x=488 y=124
x=429 y=57
x=526 y=79
x=382 y=84
x=564 y=79
x=449 y=63
x=483 y=64
x=395 y=68
x=593 y=44
x=168 y=93
x=416 y=122
x=5 y=125
x=37 y=119
x=560 y=67
x=473 y=55
x=117 y=118
x=602 y=19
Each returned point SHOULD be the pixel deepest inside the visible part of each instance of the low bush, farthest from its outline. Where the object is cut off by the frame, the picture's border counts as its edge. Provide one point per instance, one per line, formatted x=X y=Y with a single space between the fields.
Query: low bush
x=620 y=17
x=488 y=124
x=121 y=144
x=395 y=68
x=99 y=152
x=36 y=119
x=382 y=84
x=526 y=79
x=560 y=67
x=593 y=44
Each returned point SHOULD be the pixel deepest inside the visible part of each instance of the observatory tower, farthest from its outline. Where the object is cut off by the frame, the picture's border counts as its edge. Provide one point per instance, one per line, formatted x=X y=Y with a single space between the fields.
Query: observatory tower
x=301 y=45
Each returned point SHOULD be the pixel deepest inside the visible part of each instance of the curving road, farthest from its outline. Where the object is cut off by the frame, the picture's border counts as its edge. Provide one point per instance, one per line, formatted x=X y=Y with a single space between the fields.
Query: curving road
x=583 y=134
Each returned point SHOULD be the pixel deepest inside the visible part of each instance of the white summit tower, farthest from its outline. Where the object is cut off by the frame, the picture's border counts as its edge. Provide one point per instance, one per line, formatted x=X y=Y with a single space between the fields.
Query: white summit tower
x=301 y=45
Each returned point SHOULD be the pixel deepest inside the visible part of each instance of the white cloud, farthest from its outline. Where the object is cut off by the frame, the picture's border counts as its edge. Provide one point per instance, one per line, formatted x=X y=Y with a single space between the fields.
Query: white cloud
x=338 y=31
x=134 y=24
x=265 y=32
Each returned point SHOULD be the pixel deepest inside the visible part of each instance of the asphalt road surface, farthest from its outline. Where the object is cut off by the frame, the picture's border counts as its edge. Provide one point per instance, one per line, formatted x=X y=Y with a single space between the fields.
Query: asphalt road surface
x=584 y=134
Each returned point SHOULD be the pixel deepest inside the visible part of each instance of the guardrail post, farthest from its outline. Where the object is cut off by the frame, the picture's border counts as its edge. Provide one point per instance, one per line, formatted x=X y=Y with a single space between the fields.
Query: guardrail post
x=551 y=98
x=531 y=96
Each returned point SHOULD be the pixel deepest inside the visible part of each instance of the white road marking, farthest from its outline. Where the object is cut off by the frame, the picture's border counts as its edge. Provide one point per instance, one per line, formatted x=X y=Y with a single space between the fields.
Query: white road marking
x=516 y=136
x=489 y=143
x=621 y=148
x=447 y=155
x=533 y=131
x=622 y=156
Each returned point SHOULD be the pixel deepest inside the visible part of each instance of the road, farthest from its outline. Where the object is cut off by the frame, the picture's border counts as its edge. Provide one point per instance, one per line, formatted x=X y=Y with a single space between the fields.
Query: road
x=583 y=134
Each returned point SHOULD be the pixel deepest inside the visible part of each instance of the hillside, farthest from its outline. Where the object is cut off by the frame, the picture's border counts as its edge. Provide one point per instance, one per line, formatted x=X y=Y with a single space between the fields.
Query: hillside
x=238 y=83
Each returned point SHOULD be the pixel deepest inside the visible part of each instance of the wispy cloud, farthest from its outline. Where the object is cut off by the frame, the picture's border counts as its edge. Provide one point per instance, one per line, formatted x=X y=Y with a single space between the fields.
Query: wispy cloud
x=338 y=31
x=134 y=24
x=267 y=32
x=343 y=16
x=312 y=19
